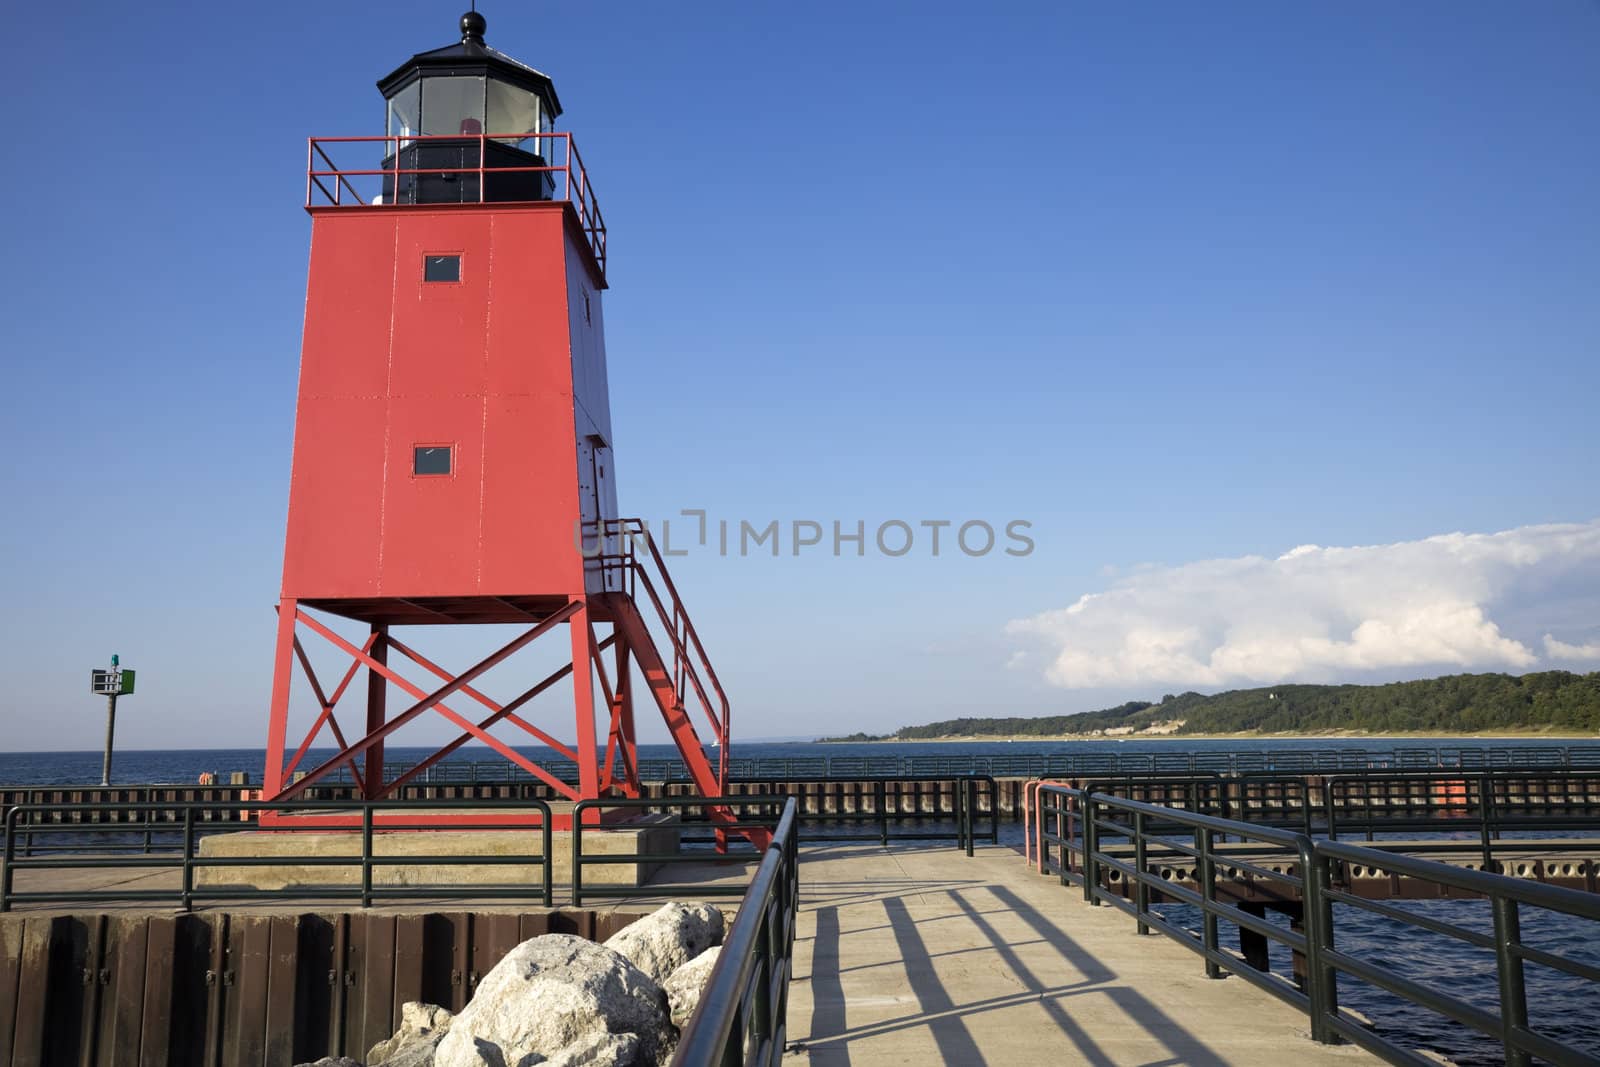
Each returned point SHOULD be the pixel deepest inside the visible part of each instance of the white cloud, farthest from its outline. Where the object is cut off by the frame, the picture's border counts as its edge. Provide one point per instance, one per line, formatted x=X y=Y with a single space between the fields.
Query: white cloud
x=1455 y=602
x=1561 y=650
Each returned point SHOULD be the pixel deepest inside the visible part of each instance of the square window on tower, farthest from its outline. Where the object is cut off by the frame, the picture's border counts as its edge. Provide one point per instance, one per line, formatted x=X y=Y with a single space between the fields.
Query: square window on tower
x=441 y=268
x=430 y=459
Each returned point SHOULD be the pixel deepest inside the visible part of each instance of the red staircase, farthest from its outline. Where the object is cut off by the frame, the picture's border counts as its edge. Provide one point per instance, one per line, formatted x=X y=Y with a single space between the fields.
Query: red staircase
x=641 y=603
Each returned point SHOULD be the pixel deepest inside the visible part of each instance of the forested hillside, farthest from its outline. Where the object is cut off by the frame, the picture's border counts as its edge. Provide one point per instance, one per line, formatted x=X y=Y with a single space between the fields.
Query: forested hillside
x=1458 y=703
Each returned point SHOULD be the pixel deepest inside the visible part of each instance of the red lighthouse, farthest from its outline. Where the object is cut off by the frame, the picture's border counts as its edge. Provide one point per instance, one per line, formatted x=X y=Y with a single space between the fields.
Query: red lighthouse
x=453 y=449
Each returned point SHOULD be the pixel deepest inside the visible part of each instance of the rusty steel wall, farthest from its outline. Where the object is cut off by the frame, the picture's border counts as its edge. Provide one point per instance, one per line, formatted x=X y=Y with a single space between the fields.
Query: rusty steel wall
x=245 y=989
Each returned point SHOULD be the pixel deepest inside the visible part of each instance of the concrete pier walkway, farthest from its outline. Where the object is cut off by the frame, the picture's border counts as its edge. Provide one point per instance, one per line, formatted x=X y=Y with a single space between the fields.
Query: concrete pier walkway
x=912 y=955
x=916 y=954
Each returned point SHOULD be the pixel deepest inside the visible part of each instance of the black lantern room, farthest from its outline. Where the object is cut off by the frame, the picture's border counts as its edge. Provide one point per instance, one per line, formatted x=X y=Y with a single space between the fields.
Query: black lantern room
x=449 y=99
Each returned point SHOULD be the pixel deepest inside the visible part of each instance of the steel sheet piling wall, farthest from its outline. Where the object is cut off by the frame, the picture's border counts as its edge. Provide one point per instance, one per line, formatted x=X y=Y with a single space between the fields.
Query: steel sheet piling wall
x=1417 y=793
x=263 y=990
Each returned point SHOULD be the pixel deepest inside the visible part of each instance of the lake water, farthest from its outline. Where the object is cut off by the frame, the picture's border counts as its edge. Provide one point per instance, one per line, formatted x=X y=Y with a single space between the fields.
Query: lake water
x=185 y=765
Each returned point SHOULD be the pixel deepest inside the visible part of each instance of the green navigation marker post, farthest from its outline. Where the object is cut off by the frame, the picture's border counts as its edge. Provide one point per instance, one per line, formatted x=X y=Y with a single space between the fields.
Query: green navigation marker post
x=111 y=684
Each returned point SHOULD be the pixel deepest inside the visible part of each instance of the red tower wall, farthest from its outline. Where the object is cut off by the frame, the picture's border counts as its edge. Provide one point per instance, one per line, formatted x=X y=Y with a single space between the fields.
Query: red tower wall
x=507 y=366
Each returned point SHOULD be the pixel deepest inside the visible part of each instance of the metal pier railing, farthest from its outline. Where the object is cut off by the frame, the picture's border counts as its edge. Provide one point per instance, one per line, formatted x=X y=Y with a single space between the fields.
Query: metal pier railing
x=1118 y=851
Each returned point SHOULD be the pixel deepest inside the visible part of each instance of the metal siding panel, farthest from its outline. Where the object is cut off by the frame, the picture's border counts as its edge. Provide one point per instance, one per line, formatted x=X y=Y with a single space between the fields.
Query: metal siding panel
x=409 y=960
x=32 y=993
x=283 y=991
x=587 y=345
x=198 y=951
x=348 y=997
x=431 y=523
x=155 y=1018
x=527 y=353
x=482 y=941
x=502 y=933
x=316 y=988
x=10 y=973
x=534 y=924
x=98 y=1006
x=336 y=499
x=249 y=957
x=530 y=500
x=376 y=984
x=445 y=950
x=436 y=347
x=111 y=1013
x=349 y=290
x=610 y=923
x=125 y=959
x=588 y=499
x=578 y=923
x=66 y=994
x=466 y=950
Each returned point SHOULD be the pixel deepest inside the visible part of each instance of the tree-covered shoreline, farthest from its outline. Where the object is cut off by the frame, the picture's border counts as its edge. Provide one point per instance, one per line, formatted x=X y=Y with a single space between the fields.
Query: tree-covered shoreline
x=1555 y=701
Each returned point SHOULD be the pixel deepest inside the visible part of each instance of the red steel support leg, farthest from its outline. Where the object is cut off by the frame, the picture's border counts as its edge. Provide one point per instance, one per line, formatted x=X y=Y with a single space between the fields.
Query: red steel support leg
x=617 y=770
x=630 y=745
x=278 y=713
x=377 y=689
x=583 y=702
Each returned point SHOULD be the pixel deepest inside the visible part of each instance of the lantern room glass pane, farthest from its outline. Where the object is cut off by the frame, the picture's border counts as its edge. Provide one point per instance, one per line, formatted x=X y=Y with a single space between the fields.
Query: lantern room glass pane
x=452 y=107
x=513 y=110
x=403 y=113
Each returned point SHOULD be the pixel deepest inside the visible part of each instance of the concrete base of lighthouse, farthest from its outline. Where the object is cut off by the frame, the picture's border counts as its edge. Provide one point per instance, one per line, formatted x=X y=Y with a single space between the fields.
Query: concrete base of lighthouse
x=652 y=834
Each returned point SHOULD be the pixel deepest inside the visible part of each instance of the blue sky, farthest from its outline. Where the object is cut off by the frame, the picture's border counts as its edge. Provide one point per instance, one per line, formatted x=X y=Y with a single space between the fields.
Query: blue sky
x=1174 y=283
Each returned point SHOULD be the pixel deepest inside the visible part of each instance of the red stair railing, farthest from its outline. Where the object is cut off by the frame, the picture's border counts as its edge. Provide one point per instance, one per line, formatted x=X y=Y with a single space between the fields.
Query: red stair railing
x=692 y=671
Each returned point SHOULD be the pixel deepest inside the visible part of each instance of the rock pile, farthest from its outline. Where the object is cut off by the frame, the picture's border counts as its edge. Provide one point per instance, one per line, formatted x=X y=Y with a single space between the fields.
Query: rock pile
x=562 y=1001
x=422 y=1027
x=661 y=943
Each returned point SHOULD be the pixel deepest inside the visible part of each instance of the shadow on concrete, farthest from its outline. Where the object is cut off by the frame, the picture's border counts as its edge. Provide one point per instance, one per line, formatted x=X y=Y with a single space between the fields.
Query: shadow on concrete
x=841 y=894
x=944 y=1019
x=827 y=988
x=944 y=1022
x=1098 y=978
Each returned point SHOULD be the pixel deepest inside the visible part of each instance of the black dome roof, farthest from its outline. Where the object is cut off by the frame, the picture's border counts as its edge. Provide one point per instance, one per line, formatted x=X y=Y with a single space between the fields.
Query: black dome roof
x=471 y=56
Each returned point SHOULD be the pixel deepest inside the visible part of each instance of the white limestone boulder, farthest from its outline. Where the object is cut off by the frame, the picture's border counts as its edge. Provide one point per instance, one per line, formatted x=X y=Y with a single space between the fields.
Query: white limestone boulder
x=669 y=937
x=602 y=1051
x=559 y=995
x=422 y=1027
x=685 y=985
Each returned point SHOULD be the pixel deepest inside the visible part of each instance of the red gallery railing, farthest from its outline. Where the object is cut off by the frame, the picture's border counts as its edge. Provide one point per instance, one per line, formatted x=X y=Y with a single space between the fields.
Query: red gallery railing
x=568 y=179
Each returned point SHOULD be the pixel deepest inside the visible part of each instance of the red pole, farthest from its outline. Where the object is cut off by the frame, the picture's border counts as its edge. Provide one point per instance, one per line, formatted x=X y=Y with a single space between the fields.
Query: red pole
x=583 y=701
x=377 y=690
x=278 y=714
x=630 y=745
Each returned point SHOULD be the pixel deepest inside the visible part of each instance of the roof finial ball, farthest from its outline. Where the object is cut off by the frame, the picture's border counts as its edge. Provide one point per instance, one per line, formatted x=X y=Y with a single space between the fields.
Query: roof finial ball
x=472 y=27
